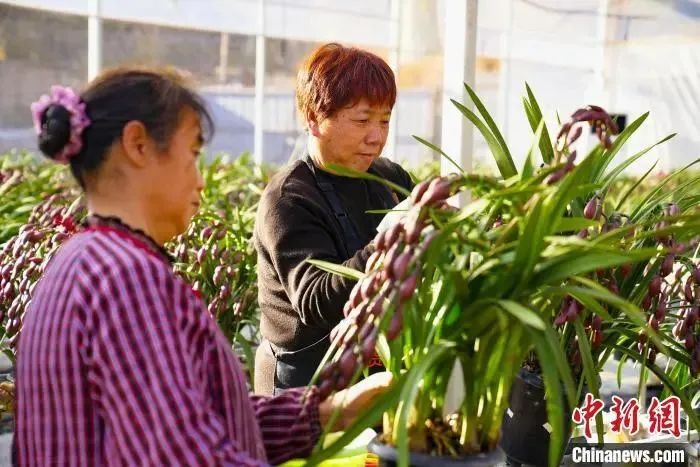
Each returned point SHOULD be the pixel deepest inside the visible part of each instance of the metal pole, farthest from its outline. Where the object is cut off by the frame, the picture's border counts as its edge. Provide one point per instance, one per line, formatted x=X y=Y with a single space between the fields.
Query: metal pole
x=459 y=67
x=457 y=132
x=394 y=63
x=223 y=58
x=258 y=136
x=506 y=49
x=94 y=39
x=602 y=26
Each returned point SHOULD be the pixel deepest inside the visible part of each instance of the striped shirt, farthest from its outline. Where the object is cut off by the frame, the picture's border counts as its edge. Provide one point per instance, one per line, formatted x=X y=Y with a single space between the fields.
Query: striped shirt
x=119 y=363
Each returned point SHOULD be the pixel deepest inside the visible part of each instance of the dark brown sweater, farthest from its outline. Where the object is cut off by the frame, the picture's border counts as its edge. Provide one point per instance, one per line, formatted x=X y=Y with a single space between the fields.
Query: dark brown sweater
x=300 y=303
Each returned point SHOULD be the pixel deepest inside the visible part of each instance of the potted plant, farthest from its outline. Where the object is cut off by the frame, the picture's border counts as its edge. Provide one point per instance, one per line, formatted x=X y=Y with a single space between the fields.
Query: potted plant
x=478 y=287
x=525 y=430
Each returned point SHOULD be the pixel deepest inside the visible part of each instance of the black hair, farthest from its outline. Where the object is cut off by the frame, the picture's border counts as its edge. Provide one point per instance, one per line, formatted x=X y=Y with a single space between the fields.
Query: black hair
x=151 y=96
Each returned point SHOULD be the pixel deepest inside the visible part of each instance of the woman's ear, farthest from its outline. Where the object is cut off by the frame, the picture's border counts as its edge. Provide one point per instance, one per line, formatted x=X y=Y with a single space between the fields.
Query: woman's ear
x=313 y=124
x=135 y=141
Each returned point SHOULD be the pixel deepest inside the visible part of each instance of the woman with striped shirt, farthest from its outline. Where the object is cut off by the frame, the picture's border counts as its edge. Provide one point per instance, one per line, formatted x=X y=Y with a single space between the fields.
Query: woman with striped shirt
x=119 y=362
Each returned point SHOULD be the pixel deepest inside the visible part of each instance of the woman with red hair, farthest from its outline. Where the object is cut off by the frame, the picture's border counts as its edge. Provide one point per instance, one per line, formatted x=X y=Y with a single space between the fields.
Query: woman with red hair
x=345 y=96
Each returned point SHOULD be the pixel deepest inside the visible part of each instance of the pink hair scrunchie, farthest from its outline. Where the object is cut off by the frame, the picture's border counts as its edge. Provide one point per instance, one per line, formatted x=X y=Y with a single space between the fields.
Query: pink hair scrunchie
x=79 y=120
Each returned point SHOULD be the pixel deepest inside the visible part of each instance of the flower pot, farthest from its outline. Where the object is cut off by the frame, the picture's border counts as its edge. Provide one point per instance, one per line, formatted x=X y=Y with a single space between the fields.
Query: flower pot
x=525 y=431
x=388 y=456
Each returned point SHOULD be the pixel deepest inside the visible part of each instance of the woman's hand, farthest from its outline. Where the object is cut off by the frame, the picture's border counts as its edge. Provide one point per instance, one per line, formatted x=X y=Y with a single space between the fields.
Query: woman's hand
x=354 y=400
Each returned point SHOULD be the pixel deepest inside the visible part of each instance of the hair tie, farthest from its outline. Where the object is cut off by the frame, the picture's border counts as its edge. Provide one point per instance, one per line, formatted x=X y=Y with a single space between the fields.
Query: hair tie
x=70 y=100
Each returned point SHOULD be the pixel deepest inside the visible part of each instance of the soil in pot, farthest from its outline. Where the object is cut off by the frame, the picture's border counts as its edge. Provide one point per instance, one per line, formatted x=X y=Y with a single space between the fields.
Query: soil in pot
x=388 y=456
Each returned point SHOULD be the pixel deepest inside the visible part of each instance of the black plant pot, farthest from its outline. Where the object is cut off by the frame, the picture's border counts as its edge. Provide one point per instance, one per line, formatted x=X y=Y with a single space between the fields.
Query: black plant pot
x=388 y=455
x=524 y=434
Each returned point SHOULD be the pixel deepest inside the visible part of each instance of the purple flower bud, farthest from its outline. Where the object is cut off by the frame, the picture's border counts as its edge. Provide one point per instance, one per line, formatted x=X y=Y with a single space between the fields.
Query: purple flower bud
x=591 y=209
x=214 y=252
x=642 y=337
x=327 y=371
x=689 y=342
x=575 y=135
x=413 y=228
x=408 y=287
x=380 y=241
x=205 y=233
x=555 y=177
x=369 y=346
x=341 y=382
x=418 y=191
x=560 y=319
x=655 y=286
x=395 y=326
x=652 y=355
x=397 y=270
x=325 y=389
x=667 y=265
x=201 y=255
x=654 y=323
x=347 y=364
x=368 y=286
x=688 y=290
x=34 y=236
x=355 y=295
x=438 y=190
x=672 y=209
x=392 y=235
x=376 y=306
x=219 y=274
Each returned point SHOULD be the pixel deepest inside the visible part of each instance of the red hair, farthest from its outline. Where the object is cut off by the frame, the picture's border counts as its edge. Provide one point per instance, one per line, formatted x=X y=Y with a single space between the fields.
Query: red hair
x=334 y=77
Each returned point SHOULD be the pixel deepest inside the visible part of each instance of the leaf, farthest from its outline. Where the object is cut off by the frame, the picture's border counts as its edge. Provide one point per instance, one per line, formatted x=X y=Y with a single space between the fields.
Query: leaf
x=617 y=144
x=546 y=147
x=489 y=121
x=590 y=370
x=525 y=315
x=347 y=172
x=529 y=164
x=530 y=245
x=503 y=161
x=609 y=178
x=646 y=200
x=554 y=365
x=572 y=224
x=339 y=269
x=666 y=195
x=627 y=193
x=409 y=392
x=437 y=149
x=566 y=266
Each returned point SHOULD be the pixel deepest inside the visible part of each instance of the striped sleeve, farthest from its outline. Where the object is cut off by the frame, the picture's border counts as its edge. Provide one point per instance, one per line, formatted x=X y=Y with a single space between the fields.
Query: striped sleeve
x=289 y=423
x=143 y=374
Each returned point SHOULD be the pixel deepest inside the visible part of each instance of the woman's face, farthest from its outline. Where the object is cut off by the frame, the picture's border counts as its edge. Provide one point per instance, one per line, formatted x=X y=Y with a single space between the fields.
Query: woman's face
x=354 y=136
x=177 y=183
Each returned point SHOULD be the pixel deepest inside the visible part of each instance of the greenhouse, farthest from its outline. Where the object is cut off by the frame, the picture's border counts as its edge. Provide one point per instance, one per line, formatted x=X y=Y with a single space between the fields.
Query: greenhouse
x=370 y=233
